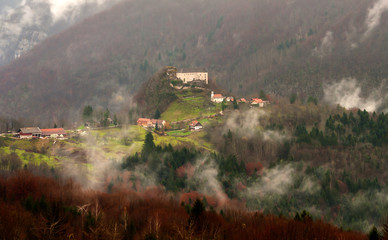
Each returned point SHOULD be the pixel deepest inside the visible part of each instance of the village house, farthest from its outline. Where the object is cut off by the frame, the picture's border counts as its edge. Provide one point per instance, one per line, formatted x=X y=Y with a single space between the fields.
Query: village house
x=229 y=99
x=187 y=77
x=242 y=100
x=53 y=133
x=195 y=126
x=151 y=123
x=259 y=102
x=158 y=122
x=29 y=132
x=217 y=98
x=143 y=122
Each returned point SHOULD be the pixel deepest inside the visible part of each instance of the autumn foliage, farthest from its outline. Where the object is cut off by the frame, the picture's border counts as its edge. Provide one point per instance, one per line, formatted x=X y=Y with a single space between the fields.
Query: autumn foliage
x=34 y=207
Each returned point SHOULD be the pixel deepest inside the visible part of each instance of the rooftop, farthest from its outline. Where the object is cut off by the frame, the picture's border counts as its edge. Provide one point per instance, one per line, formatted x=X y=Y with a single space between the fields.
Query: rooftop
x=30 y=130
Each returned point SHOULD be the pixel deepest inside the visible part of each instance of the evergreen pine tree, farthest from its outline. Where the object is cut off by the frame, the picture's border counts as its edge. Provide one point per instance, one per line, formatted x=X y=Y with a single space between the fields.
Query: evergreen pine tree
x=374 y=234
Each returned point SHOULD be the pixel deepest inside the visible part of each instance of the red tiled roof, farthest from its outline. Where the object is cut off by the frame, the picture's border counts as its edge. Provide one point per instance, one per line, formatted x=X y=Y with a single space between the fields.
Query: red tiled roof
x=50 y=131
x=243 y=100
x=193 y=123
x=143 y=120
x=257 y=100
x=217 y=96
x=158 y=121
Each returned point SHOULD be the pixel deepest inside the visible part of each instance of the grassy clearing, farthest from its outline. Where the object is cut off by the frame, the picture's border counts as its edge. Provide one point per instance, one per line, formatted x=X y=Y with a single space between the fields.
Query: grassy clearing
x=179 y=133
x=29 y=145
x=31 y=157
x=115 y=143
x=190 y=105
x=195 y=139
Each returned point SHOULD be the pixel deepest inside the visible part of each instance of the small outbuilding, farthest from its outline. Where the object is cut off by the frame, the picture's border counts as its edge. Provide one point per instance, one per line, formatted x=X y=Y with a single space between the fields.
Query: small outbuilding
x=195 y=126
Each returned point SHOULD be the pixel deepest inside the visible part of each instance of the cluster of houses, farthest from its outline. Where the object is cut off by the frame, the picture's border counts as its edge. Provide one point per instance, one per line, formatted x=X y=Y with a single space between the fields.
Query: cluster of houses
x=151 y=123
x=36 y=132
x=218 y=98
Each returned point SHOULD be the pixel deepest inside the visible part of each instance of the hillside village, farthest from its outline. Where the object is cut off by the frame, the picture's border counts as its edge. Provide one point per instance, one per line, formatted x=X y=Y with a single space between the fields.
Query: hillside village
x=181 y=80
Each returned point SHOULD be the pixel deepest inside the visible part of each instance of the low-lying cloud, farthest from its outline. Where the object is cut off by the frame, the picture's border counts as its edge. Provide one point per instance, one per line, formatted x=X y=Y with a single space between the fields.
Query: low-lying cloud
x=273 y=181
x=326 y=45
x=249 y=124
x=373 y=18
x=347 y=93
x=205 y=180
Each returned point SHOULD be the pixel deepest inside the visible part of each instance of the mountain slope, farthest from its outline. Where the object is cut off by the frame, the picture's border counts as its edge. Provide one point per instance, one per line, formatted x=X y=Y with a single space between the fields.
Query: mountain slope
x=281 y=47
x=23 y=24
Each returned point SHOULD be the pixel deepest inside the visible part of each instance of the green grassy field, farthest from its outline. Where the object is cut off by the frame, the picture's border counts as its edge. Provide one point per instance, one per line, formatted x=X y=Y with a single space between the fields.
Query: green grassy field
x=105 y=145
x=191 y=104
x=179 y=133
x=115 y=143
x=195 y=139
x=31 y=157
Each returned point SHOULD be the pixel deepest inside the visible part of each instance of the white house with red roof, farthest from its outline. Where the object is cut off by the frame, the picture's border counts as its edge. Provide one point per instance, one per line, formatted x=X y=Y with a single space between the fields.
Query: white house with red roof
x=217 y=98
x=257 y=101
x=54 y=133
x=195 y=126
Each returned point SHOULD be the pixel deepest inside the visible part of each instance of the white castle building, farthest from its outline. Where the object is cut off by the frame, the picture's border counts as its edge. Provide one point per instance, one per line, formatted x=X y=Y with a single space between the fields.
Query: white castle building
x=192 y=76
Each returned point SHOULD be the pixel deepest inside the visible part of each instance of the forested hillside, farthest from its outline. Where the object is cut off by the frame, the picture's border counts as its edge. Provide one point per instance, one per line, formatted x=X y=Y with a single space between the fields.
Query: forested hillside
x=281 y=47
x=61 y=210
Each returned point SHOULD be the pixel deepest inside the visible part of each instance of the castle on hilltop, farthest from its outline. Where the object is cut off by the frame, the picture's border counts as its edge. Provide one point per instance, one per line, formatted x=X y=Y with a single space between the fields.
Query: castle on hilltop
x=188 y=76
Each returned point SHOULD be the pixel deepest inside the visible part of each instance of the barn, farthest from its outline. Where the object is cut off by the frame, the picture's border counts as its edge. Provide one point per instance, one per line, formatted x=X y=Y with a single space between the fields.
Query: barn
x=29 y=132
x=54 y=133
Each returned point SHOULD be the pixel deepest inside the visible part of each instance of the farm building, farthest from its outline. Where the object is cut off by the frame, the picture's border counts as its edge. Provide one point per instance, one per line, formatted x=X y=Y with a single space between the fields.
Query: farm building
x=195 y=125
x=29 y=132
x=146 y=122
x=143 y=122
x=158 y=122
x=54 y=133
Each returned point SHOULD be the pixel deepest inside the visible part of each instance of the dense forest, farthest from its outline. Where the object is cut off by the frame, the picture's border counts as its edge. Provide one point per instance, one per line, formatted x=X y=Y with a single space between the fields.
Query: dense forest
x=43 y=208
